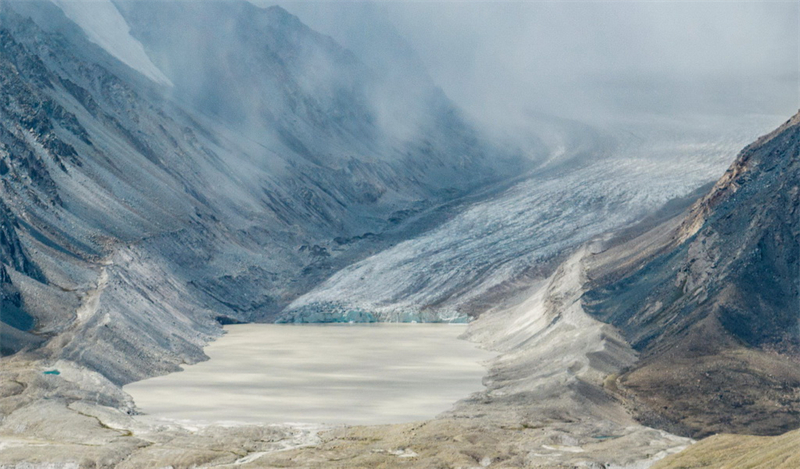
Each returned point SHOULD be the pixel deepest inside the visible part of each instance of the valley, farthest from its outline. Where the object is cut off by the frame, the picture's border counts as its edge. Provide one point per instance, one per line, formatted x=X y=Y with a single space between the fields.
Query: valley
x=613 y=288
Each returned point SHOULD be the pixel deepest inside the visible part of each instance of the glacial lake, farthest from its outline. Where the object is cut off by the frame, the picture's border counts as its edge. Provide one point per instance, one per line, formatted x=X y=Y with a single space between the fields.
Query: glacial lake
x=334 y=374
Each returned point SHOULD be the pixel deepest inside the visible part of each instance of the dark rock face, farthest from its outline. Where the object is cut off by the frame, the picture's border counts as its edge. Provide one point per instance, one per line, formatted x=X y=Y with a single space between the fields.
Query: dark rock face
x=11 y=251
x=15 y=322
x=715 y=307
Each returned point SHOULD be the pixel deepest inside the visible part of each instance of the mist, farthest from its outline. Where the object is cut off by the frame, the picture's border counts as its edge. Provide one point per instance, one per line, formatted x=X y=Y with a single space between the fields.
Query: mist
x=588 y=61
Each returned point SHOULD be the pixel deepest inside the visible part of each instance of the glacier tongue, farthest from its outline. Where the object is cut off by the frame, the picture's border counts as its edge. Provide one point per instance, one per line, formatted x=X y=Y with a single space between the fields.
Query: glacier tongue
x=474 y=260
x=105 y=26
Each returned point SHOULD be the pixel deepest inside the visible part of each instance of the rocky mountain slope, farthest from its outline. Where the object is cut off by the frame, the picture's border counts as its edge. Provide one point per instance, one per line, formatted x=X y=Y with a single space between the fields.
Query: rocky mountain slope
x=712 y=301
x=137 y=209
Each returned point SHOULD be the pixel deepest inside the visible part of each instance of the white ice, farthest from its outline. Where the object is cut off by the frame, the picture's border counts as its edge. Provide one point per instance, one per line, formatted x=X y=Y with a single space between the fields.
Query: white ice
x=105 y=26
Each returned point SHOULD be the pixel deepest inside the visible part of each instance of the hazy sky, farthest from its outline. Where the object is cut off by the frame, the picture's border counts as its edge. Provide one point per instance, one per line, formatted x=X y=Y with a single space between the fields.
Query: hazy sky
x=588 y=58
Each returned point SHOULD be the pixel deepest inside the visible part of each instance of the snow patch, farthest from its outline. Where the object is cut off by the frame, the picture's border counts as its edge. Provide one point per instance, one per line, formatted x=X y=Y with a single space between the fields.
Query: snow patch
x=105 y=26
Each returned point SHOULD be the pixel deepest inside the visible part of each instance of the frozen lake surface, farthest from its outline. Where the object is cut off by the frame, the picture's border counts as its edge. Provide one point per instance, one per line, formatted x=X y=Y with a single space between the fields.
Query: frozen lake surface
x=336 y=374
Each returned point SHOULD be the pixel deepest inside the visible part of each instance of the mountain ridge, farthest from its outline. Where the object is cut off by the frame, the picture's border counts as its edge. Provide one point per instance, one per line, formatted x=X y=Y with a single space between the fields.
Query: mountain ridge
x=715 y=295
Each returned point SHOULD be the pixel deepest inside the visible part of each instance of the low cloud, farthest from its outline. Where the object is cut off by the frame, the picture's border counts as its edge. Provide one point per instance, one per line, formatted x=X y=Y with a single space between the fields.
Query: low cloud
x=589 y=60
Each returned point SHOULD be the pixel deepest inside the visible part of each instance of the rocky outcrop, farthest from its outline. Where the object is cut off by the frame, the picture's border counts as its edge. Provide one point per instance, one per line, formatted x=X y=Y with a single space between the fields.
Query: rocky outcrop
x=712 y=301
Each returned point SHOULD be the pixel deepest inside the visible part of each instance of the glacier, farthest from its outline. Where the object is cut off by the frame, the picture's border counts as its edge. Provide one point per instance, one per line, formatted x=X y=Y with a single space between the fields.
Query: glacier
x=493 y=248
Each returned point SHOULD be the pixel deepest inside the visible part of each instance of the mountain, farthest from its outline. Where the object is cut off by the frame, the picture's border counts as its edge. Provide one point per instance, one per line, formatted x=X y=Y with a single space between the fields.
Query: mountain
x=169 y=165
x=711 y=301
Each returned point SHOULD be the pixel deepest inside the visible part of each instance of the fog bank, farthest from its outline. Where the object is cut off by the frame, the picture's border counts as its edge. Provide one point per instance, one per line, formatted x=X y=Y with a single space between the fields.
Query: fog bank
x=584 y=60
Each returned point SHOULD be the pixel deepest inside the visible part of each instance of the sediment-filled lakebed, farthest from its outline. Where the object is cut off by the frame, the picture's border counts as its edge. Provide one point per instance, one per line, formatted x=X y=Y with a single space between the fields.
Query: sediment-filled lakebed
x=333 y=374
